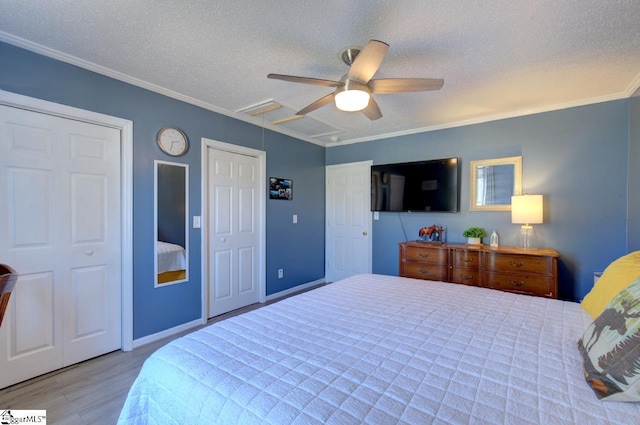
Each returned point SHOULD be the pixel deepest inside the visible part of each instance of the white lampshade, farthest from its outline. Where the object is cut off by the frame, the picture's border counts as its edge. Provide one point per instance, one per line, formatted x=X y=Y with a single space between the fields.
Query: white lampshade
x=352 y=100
x=526 y=209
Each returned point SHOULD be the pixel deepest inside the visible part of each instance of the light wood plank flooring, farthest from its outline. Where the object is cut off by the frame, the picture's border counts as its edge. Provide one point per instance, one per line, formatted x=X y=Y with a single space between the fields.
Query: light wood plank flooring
x=91 y=392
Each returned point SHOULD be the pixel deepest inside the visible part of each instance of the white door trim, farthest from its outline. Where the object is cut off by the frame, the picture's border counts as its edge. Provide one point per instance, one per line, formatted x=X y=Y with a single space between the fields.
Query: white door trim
x=369 y=224
x=126 y=188
x=262 y=214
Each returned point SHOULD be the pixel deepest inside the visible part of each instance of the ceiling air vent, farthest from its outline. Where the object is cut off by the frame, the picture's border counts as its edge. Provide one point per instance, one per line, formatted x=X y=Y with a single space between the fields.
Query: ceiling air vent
x=280 y=115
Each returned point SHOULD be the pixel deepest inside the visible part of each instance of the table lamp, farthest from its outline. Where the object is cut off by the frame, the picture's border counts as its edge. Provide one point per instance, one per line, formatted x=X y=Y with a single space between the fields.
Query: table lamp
x=526 y=210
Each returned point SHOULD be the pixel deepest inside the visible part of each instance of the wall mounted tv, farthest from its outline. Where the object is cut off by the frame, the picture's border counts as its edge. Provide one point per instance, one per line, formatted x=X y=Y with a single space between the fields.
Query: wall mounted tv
x=423 y=186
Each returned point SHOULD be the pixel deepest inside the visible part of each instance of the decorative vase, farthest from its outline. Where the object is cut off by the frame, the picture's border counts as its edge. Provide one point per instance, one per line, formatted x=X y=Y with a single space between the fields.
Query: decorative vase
x=474 y=241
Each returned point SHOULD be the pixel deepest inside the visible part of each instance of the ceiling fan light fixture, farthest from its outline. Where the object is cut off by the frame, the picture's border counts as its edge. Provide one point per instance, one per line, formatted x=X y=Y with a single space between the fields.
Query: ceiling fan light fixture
x=352 y=100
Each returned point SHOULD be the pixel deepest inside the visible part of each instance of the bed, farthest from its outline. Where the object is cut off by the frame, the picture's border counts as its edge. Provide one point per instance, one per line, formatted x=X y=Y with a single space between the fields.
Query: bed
x=172 y=262
x=379 y=350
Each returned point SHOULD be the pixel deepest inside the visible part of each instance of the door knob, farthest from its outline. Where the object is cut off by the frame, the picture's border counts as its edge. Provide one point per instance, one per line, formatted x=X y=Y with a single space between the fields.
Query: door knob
x=88 y=252
x=365 y=233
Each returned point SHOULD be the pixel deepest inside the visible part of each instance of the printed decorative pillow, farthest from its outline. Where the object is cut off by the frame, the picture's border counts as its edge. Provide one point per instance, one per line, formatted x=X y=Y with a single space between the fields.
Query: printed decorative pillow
x=617 y=276
x=610 y=348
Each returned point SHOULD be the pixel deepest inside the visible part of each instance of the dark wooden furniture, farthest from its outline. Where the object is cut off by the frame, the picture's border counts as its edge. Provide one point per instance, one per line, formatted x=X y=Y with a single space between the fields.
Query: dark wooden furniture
x=525 y=271
x=8 y=278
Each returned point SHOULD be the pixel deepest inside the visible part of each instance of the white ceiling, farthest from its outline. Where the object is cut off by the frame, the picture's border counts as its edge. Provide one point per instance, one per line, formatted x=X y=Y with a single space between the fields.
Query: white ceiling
x=499 y=58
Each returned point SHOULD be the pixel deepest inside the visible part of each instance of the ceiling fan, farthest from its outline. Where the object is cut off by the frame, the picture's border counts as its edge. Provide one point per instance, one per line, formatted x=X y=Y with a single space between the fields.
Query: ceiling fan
x=353 y=91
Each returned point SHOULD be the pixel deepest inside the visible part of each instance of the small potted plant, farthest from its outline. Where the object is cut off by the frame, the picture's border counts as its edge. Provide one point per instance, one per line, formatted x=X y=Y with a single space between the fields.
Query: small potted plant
x=474 y=235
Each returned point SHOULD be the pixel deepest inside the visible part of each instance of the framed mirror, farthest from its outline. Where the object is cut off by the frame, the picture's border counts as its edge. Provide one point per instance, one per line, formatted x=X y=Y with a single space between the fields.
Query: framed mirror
x=171 y=223
x=493 y=182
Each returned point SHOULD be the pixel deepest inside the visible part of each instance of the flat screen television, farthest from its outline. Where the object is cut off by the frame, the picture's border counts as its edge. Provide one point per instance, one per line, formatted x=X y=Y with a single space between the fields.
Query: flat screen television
x=422 y=186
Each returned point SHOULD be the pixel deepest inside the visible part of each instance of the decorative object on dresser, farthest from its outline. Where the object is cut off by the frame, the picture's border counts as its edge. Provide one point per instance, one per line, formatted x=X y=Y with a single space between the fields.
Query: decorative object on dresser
x=431 y=234
x=474 y=235
x=526 y=210
x=494 y=240
x=512 y=269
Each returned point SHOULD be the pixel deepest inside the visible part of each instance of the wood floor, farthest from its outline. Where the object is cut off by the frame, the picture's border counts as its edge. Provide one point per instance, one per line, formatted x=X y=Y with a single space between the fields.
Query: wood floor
x=91 y=392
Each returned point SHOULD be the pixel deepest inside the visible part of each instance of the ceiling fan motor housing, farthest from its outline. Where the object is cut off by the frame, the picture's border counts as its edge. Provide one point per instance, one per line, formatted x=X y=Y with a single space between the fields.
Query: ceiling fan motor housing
x=349 y=54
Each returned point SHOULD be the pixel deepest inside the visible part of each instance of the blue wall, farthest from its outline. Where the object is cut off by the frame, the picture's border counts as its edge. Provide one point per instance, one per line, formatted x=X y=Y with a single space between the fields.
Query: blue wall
x=299 y=249
x=633 y=236
x=576 y=158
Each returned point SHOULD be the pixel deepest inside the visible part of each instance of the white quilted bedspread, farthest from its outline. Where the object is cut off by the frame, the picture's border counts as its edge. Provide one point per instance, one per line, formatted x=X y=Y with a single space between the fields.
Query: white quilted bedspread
x=171 y=257
x=379 y=350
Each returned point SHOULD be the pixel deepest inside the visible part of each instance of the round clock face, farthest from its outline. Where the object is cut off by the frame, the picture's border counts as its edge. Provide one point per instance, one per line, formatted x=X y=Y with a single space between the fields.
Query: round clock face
x=172 y=141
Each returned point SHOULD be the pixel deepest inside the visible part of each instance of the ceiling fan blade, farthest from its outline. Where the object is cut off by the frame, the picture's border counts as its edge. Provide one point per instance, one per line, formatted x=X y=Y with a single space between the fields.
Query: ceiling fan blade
x=372 y=111
x=317 y=104
x=368 y=61
x=400 y=85
x=305 y=80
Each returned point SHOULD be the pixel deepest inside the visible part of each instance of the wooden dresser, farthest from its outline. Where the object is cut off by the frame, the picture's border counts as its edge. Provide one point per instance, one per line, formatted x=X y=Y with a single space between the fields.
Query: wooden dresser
x=530 y=271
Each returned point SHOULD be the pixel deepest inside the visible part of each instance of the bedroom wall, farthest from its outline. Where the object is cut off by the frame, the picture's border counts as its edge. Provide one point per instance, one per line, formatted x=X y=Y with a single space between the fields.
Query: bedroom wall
x=633 y=236
x=299 y=249
x=576 y=158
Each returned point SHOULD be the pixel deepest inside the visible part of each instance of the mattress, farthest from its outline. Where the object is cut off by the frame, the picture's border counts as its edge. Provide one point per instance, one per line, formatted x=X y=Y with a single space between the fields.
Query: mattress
x=171 y=257
x=379 y=350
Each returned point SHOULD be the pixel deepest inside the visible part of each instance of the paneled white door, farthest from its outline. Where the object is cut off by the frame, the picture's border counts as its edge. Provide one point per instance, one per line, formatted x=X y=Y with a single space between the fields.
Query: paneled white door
x=348 y=230
x=60 y=229
x=233 y=230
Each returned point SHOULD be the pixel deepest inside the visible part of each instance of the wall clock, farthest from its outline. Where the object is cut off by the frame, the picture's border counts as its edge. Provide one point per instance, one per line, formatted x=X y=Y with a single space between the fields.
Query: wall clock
x=173 y=141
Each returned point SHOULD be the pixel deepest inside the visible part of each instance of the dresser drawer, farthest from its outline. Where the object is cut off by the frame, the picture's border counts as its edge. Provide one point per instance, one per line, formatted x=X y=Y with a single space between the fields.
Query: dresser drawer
x=460 y=258
x=424 y=271
x=518 y=263
x=431 y=255
x=523 y=283
x=467 y=276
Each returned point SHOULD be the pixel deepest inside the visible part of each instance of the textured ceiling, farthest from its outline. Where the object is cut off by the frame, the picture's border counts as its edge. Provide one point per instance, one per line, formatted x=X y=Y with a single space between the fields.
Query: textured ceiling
x=498 y=58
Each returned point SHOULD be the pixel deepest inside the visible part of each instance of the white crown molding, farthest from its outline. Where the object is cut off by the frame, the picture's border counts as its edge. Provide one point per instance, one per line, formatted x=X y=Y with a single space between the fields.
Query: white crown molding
x=55 y=54
x=488 y=118
x=99 y=69
x=633 y=87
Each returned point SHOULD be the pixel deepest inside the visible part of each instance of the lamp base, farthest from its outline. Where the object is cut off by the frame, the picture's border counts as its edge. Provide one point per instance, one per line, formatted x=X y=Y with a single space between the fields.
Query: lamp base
x=527 y=237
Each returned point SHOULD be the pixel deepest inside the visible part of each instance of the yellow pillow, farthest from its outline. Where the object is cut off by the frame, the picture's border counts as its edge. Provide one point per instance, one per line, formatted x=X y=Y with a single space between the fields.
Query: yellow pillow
x=617 y=276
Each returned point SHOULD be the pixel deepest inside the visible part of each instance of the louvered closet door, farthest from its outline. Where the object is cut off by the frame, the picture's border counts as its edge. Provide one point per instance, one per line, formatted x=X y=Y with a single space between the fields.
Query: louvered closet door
x=60 y=229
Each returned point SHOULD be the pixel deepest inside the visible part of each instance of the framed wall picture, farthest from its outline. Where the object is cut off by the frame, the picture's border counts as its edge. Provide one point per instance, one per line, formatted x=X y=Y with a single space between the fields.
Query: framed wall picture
x=280 y=188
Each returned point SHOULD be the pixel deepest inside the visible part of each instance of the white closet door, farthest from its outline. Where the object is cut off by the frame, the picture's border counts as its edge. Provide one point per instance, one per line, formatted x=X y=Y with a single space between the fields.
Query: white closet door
x=348 y=231
x=233 y=231
x=60 y=229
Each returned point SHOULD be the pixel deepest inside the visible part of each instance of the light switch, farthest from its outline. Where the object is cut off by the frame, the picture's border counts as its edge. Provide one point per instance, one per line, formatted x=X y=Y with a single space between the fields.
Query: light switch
x=295 y=219
x=376 y=215
x=196 y=221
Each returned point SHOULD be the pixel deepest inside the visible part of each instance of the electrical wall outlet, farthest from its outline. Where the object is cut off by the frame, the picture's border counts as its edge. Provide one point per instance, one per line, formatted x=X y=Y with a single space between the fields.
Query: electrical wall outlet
x=295 y=219
x=280 y=273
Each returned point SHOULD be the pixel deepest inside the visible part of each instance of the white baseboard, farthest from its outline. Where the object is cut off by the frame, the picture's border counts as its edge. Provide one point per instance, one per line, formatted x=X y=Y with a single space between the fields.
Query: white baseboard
x=166 y=333
x=295 y=289
x=198 y=322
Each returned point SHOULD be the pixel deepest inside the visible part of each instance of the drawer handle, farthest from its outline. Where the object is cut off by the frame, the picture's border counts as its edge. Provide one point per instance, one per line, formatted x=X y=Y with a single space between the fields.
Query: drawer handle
x=520 y=264
x=517 y=284
x=423 y=271
x=467 y=277
x=423 y=255
x=468 y=260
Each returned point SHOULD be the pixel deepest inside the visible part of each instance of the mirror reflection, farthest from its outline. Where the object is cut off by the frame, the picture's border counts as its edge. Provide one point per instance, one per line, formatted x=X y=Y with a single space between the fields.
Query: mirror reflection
x=493 y=182
x=171 y=215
